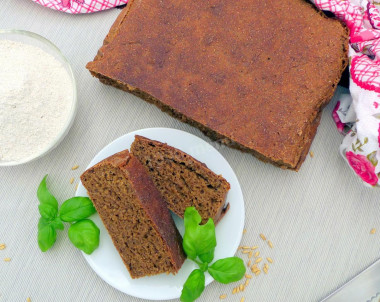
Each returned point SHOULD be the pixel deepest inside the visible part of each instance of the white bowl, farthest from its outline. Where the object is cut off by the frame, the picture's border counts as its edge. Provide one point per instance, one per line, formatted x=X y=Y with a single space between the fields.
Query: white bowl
x=44 y=44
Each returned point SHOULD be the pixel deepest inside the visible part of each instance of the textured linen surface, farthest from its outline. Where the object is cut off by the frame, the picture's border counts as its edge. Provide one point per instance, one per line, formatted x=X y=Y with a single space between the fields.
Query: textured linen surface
x=358 y=117
x=80 y=6
x=318 y=219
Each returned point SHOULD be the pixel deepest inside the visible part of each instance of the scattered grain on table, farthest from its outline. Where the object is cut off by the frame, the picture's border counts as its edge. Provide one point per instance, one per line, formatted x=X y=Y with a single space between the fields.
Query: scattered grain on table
x=373 y=231
x=7 y=259
x=244 y=231
x=223 y=296
x=254 y=268
x=311 y=154
x=76 y=187
x=2 y=246
x=28 y=300
x=75 y=167
x=254 y=251
x=270 y=244
x=242 y=299
x=71 y=180
x=265 y=268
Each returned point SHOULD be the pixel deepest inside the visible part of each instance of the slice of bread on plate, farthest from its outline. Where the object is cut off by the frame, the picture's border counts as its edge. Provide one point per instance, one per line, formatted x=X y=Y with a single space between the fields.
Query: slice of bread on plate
x=182 y=180
x=135 y=215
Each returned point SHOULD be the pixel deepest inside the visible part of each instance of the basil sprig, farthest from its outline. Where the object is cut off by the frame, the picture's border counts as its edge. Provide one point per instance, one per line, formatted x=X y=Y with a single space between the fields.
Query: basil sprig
x=48 y=206
x=76 y=208
x=83 y=233
x=227 y=270
x=194 y=286
x=199 y=242
x=46 y=234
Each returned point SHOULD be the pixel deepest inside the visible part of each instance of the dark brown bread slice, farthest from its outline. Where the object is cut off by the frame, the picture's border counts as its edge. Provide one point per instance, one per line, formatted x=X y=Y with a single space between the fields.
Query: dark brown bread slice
x=253 y=74
x=182 y=180
x=135 y=215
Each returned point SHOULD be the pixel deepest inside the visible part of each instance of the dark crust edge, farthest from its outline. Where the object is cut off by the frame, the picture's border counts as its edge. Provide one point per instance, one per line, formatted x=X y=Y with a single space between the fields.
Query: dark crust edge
x=163 y=224
x=309 y=134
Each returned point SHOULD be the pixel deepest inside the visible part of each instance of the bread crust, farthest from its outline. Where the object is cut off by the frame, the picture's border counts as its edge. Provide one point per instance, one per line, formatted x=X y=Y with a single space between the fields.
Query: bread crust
x=257 y=94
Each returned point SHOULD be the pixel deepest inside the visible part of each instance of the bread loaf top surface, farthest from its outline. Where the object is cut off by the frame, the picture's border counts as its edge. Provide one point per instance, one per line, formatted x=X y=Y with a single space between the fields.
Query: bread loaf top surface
x=255 y=72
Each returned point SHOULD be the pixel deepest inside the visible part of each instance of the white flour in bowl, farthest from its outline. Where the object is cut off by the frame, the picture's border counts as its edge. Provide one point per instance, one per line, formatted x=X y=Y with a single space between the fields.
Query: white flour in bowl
x=36 y=95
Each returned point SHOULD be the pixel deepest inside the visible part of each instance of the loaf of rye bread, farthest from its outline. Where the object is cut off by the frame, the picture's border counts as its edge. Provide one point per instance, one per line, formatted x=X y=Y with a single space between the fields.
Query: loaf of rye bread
x=135 y=215
x=182 y=180
x=252 y=74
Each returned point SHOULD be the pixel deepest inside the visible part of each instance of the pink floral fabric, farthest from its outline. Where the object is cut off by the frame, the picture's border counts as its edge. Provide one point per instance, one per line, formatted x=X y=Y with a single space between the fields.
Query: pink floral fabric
x=363 y=167
x=80 y=6
x=337 y=120
x=357 y=115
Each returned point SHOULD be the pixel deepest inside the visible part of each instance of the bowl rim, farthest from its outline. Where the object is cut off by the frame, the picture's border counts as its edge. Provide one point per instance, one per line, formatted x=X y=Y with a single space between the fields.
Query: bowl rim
x=74 y=102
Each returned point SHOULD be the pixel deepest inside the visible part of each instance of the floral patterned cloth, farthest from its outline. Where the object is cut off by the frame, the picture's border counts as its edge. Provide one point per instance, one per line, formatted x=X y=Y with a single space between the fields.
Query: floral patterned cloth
x=80 y=6
x=357 y=116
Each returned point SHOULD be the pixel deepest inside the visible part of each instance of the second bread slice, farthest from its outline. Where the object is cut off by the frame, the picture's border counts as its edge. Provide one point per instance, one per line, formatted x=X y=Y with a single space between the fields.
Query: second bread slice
x=182 y=180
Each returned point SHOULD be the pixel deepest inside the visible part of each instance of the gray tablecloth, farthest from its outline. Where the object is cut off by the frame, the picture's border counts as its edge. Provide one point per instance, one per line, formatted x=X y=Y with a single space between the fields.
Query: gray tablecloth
x=318 y=219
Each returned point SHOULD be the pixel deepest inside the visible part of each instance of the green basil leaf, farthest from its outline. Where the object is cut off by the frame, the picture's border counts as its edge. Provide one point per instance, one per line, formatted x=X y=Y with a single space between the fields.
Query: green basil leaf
x=57 y=224
x=207 y=257
x=198 y=239
x=203 y=266
x=76 y=208
x=227 y=270
x=46 y=198
x=47 y=211
x=194 y=286
x=46 y=234
x=84 y=235
x=191 y=217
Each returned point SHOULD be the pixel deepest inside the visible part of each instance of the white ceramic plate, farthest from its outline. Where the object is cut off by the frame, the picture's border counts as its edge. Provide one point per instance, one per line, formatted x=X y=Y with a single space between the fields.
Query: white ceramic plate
x=106 y=261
